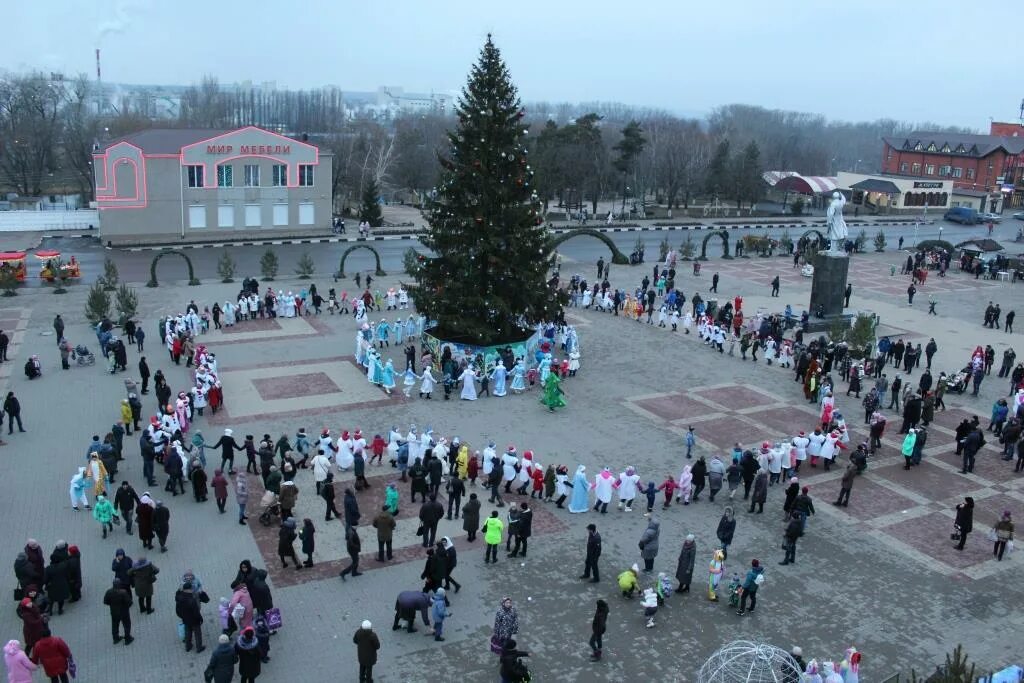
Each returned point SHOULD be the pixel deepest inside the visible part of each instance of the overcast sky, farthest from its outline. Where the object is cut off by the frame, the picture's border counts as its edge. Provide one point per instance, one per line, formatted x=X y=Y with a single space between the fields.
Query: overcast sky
x=864 y=60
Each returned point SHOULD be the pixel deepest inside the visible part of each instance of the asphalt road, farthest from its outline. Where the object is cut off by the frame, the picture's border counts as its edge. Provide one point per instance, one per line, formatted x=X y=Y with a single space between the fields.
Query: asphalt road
x=134 y=266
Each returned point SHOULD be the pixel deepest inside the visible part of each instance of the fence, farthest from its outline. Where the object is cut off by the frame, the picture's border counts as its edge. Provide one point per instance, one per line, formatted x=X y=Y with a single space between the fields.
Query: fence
x=40 y=221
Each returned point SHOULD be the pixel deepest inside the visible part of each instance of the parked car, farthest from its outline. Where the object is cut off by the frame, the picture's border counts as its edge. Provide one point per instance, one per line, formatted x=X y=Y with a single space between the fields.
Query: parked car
x=962 y=214
x=990 y=218
x=1019 y=215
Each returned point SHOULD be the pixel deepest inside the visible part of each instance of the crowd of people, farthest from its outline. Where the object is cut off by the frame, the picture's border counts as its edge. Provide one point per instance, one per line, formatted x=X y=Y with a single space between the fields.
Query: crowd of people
x=428 y=462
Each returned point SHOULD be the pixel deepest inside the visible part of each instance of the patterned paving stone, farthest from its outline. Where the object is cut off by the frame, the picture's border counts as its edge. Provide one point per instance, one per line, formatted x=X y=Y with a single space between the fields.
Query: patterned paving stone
x=674 y=406
x=723 y=432
x=737 y=397
x=258 y=325
x=929 y=534
x=870 y=498
x=294 y=386
x=925 y=479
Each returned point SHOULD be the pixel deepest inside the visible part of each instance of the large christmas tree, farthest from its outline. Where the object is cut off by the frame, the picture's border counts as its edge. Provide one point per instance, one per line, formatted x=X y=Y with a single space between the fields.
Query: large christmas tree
x=487 y=281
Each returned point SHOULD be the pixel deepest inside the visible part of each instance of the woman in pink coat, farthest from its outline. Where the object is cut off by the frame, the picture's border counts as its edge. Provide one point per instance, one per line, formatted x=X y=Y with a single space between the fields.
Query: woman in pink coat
x=19 y=666
x=243 y=617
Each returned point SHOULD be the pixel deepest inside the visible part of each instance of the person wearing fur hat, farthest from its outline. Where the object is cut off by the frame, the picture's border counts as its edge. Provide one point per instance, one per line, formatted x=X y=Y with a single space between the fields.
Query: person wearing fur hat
x=367 y=643
x=791 y=674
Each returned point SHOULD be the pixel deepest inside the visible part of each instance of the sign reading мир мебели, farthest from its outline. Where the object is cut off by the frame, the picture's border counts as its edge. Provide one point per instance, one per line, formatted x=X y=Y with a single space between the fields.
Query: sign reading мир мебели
x=249 y=149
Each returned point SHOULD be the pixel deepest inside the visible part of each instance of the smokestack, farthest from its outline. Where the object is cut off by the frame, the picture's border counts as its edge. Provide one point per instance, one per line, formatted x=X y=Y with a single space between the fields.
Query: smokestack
x=99 y=86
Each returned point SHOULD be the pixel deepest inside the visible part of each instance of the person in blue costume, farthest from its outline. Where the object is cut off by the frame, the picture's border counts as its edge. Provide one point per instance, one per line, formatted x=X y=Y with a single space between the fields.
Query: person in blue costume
x=388 y=376
x=499 y=375
x=580 y=501
x=518 y=377
x=382 y=333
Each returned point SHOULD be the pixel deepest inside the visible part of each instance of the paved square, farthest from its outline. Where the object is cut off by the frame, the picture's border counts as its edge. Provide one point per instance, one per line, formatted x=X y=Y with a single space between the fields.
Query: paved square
x=307 y=387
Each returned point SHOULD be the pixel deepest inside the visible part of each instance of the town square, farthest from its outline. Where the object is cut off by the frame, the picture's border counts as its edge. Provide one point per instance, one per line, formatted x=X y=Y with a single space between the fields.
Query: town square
x=512 y=426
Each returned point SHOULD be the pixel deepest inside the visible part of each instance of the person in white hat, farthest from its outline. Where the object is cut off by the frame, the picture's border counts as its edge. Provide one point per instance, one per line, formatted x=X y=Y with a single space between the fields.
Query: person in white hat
x=367 y=644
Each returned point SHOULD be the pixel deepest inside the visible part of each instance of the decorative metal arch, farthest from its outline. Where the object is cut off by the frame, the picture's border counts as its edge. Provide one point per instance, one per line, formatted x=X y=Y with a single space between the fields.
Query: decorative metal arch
x=341 y=266
x=192 y=281
x=724 y=235
x=617 y=256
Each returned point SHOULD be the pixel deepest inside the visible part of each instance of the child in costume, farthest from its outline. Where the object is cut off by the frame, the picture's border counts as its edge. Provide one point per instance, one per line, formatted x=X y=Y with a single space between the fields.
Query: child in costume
x=715 y=569
x=650 y=605
x=538 y=476
x=663 y=587
x=850 y=668
x=811 y=674
x=669 y=487
x=734 y=590
x=685 y=486
x=828 y=669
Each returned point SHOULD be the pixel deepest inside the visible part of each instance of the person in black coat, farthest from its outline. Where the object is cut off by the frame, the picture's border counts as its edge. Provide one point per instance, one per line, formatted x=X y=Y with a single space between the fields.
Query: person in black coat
x=524 y=529
x=56 y=579
x=406 y=606
x=121 y=565
x=431 y=513
x=351 y=508
x=186 y=607
x=434 y=472
x=124 y=502
x=792 y=491
x=434 y=569
x=308 y=535
x=256 y=581
x=13 y=409
x=248 y=651
x=471 y=517
x=75 y=573
x=456 y=489
x=418 y=475
x=700 y=474
x=726 y=530
x=285 y=543
x=26 y=572
x=221 y=668
x=598 y=627
x=367 y=644
x=451 y=560
x=161 y=524
x=352 y=547
x=119 y=600
x=227 y=446
x=593 y=554
x=748 y=469
x=964 y=520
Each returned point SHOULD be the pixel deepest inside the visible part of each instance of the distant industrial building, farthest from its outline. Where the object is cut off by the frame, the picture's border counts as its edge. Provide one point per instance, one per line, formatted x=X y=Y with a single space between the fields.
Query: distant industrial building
x=184 y=184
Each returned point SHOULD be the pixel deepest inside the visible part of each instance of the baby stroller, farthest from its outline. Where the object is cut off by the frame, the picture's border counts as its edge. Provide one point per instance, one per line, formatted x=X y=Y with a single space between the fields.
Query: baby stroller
x=958 y=382
x=734 y=590
x=83 y=356
x=271 y=513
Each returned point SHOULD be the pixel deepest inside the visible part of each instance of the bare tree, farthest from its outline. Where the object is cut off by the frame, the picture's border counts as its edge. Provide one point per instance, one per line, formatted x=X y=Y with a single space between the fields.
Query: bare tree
x=81 y=132
x=206 y=106
x=30 y=130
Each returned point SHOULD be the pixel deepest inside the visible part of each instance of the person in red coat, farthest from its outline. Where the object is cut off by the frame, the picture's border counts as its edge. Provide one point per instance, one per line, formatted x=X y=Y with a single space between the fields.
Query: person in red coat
x=215 y=397
x=473 y=467
x=220 y=489
x=54 y=656
x=537 y=475
x=32 y=624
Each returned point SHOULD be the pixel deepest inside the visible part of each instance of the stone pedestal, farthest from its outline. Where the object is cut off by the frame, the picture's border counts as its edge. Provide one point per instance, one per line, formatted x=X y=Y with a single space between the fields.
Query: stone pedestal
x=828 y=288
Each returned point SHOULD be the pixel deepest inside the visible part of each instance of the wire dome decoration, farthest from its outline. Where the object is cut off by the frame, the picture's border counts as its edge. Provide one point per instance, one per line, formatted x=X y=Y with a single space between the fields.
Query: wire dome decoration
x=743 y=661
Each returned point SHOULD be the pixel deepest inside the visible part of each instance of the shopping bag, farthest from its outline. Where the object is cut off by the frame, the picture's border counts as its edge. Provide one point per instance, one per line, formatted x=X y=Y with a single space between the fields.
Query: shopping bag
x=496 y=645
x=72 y=667
x=273 y=616
x=181 y=631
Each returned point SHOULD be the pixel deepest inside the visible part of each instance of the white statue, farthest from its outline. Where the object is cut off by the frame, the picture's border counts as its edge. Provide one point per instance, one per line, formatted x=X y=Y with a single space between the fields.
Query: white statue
x=837 y=231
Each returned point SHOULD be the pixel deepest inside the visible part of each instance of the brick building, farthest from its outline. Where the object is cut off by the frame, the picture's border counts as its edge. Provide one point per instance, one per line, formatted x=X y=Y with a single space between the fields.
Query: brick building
x=989 y=165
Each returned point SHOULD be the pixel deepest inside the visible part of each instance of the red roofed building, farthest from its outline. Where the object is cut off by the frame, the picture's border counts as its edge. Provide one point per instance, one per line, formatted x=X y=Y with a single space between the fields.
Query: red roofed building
x=992 y=164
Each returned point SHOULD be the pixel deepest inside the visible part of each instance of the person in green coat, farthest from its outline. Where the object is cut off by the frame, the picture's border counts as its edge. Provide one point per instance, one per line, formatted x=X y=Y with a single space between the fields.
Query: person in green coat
x=908 y=447
x=391 y=499
x=103 y=512
x=493 y=527
x=553 y=394
x=274 y=480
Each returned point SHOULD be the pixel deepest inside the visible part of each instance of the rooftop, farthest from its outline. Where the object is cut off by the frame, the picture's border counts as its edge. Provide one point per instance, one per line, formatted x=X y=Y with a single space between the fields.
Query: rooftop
x=165 y=140
x=962 y=144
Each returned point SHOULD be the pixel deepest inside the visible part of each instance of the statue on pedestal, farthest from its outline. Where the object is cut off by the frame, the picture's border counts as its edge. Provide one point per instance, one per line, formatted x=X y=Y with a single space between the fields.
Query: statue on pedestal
x=837 y=231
